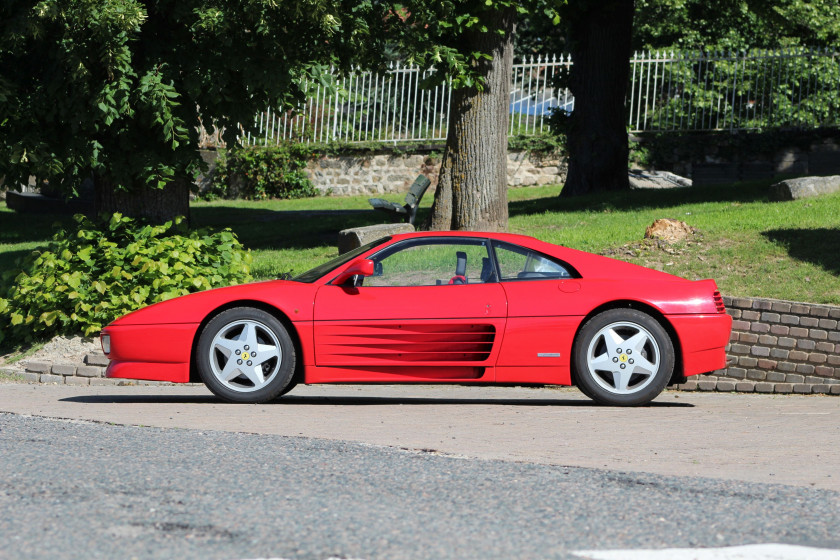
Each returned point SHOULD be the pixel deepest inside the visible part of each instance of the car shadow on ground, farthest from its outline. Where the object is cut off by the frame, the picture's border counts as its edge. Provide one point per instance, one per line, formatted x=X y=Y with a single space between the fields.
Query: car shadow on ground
x=292 y=400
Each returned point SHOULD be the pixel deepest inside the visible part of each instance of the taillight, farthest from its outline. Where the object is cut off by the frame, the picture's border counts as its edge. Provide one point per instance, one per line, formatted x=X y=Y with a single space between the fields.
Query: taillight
x=721 y=308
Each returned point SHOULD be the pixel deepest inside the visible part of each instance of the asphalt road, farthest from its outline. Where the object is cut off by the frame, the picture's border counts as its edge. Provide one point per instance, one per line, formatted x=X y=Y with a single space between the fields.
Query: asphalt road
x=81 y=490
x=409 y=472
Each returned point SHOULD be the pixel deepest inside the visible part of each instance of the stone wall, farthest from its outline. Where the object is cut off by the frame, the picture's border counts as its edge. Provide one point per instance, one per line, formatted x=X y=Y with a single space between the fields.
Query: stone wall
x=387 y=173
x=778 y=347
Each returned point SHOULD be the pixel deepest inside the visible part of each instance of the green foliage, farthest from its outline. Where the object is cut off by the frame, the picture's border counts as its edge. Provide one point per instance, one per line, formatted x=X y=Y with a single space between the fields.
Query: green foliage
x=735 y=24
x=257 y=173
x=89 y=275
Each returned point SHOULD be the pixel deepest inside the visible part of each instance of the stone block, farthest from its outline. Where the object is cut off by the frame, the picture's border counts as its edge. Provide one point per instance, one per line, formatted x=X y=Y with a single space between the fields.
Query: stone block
x=739 y=349
x=813 y=380
x=798 y=355
x=90 y=371
x=38 y=367
x=801 y=388
x=353 y=238
x=29 y=377
x=769 y=317
x=804 y=187
x=775 y=376
x=740 y=325
x=817 y=358
x=767 y=340
x=825 y=347
x=833 y=360
x=779 y=354
x=818 y=334
x=819 y=388
x=50 y=378
x=786 y=367
x=748 y=338
x=834 y=313
x=767 y=364
x=782 y=388
x=706 y=385
x=798 y=332
x=762 y=304
x=809 y=322
x=745 y=387
x=805 y=344
x=834 y=336
x=734 y=313
x=77 y=381
x=750 y=315
x=786 y=342
x=743 y=303
x=764 y=387
x=780 y=307
x=690 y=385
x=63 y=369
x=760 y=351
x=723 y=385
x=790 y=319
x=834 y=389
x=800 y=308
x=805 y=369
x=97 y=359
x=820 y=311
x=828 y=324
x=779 y=330
x=736 y=373
x=756 y=374
x=746 y=361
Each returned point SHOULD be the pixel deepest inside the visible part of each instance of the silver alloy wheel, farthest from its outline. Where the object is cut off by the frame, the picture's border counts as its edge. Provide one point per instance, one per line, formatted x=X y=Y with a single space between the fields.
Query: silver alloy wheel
x=245 y=355
x=623 y=358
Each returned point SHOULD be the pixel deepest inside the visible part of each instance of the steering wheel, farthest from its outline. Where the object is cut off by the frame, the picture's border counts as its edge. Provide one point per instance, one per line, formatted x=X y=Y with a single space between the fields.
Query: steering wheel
x=458 y=279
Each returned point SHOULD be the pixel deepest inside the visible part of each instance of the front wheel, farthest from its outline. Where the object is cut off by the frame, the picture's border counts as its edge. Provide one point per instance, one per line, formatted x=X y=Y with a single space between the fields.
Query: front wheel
x=623 y=357
x=245 y=355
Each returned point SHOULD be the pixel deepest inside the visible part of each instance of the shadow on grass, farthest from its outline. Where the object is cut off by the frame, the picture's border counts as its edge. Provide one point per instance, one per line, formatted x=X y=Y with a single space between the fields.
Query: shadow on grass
x=819 y=246
x=643 y=199
x=25 y=228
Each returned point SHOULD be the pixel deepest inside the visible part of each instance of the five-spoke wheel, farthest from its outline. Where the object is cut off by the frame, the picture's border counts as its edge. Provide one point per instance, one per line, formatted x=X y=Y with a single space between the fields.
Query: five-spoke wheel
x=245 y=355
x=623 y=357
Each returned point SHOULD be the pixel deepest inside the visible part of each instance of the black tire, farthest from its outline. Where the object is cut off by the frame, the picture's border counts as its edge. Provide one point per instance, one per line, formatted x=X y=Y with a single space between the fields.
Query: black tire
x=245 y=355
x=623 y=357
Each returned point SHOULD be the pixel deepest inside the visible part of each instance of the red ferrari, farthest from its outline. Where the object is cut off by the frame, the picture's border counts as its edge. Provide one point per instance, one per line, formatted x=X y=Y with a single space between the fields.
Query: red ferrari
x=439 y=307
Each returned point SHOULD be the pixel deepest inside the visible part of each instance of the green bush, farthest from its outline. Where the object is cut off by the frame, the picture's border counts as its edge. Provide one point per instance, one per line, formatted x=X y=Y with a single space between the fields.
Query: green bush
x=257 y=173
x=90 y=275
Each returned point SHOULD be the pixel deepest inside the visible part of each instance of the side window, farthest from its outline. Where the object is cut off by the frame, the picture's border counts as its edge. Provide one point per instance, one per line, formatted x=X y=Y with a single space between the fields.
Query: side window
x=519 y=263
x=435 y=263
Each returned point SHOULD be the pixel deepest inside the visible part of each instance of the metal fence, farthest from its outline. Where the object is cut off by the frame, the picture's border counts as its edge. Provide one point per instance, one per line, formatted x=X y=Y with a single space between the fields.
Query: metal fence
x=667 y=91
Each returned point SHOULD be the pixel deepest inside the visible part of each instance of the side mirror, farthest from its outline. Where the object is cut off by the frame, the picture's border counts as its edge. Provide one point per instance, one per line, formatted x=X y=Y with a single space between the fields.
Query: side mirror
x=363 y=267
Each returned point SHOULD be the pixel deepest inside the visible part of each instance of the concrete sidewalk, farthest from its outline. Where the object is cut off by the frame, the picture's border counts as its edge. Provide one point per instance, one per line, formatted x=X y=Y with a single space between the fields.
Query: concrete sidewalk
x=759 y=438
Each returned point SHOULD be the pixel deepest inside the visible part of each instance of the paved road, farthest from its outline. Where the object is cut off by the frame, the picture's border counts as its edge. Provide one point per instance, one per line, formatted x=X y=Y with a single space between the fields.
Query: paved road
x=74 y=489
x=759 y=438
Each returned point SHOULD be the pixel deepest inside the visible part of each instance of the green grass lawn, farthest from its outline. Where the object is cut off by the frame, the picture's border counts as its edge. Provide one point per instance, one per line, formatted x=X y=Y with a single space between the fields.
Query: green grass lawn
x=752 y=247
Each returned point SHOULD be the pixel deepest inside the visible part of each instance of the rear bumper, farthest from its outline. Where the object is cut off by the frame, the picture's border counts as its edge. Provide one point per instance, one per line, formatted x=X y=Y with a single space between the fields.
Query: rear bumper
x=703 y=340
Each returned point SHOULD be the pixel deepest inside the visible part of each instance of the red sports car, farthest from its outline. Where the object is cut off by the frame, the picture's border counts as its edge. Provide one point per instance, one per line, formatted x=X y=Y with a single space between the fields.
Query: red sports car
x=439 y=307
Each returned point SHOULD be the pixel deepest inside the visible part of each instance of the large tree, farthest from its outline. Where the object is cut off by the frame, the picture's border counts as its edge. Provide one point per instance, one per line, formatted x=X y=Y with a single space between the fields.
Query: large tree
x=469 y=42
x=599 y=38
x=114 y=89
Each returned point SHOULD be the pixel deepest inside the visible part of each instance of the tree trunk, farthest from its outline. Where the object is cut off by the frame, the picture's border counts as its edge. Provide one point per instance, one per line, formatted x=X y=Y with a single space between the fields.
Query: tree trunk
x=472 y=185
x=152 y=205
x=600 y=36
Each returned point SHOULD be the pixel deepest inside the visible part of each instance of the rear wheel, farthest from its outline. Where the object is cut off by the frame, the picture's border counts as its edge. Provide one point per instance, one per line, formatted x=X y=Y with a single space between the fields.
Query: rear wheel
x=623 y=357
x=245 y=355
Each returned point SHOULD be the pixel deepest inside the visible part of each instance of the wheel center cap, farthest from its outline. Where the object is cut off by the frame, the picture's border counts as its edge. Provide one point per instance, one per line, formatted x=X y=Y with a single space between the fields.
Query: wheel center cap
x=622 y=358
x=247 y=356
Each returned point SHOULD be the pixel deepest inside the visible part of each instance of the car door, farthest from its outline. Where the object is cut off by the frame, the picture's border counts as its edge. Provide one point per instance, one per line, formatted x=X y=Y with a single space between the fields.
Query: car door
x=542 y=315
x=432 y=310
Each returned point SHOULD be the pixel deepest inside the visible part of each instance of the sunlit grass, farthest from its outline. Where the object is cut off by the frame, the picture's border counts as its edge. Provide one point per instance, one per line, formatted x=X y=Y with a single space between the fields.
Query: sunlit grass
x=751 y=246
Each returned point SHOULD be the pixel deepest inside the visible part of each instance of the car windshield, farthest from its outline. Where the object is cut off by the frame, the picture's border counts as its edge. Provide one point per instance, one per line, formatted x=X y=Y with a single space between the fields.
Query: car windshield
x=321 y=270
